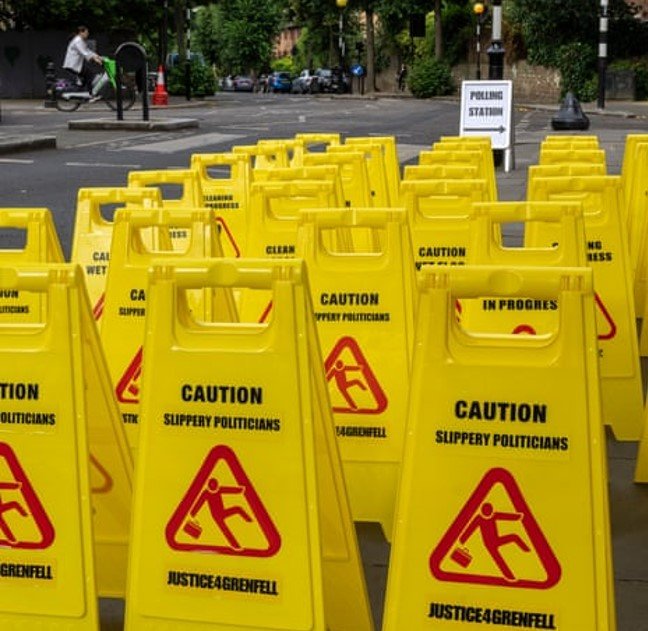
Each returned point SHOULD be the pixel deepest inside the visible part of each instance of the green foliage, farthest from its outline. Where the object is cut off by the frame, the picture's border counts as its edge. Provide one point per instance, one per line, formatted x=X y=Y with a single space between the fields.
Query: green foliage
x=577 y=63
x=283 y=64
x=429 y=77
x=458 y=28
x=209 y=27
x=203 y=82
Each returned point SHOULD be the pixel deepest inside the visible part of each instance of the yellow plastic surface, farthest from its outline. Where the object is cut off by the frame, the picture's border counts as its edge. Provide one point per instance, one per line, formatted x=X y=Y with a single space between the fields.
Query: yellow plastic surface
x=272 y=229
x=521 y=315
x=440 y=172
x=240 y=411
x=126 y=304
x=35 y=229
x=228 y=196
x=293 y=147
x=93 y=233
x=353 y=171
x=437 y=213
x=571 y=156
x=376 y=170
x=364 y=313
x=264 y=156
x=607 y=254
x=496 y=425
x=55 y=406
x=390 y=157
x=474 y=157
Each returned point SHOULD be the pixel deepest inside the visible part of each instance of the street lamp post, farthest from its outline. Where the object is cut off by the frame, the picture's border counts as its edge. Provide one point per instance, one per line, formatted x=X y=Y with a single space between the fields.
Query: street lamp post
x=341 y=4
x=496 y=49
x=478 y=9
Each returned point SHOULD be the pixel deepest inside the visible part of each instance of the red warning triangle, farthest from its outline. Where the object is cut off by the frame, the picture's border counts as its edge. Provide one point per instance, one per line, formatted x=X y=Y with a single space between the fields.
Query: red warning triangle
x=222 y=513
x=128 y=388
x=605 y=325
x=495 y=540
x=24 y=524
x=354 y=388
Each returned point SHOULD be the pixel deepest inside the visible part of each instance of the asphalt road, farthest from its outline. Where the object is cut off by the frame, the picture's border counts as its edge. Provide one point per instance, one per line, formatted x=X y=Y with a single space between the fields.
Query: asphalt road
x=52 y=177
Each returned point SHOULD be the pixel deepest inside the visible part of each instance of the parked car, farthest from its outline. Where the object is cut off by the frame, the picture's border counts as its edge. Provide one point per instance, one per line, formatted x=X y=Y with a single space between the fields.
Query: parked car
x=227 y=83
x=306 y=82
x=279 y=82
x=243 y=84
x=333 y=81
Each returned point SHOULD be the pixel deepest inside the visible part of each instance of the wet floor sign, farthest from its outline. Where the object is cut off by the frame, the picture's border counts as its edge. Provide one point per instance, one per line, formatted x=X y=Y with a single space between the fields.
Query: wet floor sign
x=496 y=425
x=250 y=526
x=364 y=313
x=93 y=233
x=54 y=494
x=607 y=255
x=126 y=303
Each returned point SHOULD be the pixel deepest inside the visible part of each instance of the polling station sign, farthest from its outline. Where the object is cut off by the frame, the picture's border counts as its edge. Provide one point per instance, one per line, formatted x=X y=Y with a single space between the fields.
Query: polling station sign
x=487 y=110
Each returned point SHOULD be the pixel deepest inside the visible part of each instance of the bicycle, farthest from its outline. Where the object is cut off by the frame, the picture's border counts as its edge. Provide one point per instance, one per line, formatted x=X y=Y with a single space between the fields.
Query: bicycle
x=69 y=96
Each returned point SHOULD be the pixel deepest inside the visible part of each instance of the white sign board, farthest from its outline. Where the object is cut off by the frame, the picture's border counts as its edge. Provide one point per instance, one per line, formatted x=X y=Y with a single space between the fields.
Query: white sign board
x=487 y=110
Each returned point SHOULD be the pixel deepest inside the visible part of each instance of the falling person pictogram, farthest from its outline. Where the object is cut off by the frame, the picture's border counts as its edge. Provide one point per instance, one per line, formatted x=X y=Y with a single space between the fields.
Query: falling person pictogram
x=212 y=496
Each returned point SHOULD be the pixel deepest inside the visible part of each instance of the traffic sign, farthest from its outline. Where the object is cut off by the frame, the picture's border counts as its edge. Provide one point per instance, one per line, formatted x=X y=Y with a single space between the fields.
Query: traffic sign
x=487 y=110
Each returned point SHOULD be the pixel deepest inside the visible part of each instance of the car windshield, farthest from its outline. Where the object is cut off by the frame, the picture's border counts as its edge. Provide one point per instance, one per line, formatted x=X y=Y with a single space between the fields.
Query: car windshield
x=283 y=75
x=325 y=73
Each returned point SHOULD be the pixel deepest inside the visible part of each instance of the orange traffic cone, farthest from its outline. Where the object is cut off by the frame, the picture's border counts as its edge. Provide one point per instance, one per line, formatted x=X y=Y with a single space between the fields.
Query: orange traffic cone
x=160 y=96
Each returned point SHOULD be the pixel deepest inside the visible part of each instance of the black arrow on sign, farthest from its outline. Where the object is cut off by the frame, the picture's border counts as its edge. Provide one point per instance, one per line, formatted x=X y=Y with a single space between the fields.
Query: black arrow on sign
x=501 y=129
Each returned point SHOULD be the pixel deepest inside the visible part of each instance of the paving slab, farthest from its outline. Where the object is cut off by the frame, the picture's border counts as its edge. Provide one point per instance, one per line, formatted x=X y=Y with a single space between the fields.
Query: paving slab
x=12 y=144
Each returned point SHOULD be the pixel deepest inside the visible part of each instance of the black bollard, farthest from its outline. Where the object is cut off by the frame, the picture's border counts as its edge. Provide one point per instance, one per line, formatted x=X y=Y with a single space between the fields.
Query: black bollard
x=570 y=115
x=50 y=85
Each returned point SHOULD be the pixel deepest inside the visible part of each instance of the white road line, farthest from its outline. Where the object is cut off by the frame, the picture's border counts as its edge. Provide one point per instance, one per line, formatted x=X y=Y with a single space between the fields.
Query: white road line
x=15 y=161
x=181 y=144
x=103 y=164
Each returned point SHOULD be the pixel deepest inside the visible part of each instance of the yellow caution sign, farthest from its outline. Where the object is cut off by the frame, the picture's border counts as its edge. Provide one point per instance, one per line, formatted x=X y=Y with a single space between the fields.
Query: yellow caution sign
x=318 y=139
x=180 y=187
x=474 y=143
x=390 y=158
x=496 y=425
x=56 y=402
x=635 y=193
x=607 y=254
x=354 y=174
x=93 y=233
x=571 y=156
x=440 y=172
x=326 y=173
x=253 y=529
x=126 y=303
x=35 y=241
x=474 y=157
x=521 y=314
x=571 y=142
x=437 y=214
x=376 y=170
x=562 y=170
x=293 y=147
x=364 y=312
x=228 y=196
x=264 y=156
x=272 y=229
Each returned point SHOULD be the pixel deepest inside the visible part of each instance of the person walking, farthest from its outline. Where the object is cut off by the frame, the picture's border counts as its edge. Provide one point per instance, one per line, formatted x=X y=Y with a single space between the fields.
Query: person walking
x=402 y=76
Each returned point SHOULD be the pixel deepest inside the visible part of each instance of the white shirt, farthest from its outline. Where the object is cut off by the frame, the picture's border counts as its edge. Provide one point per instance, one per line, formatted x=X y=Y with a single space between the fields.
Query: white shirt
x=77 y=51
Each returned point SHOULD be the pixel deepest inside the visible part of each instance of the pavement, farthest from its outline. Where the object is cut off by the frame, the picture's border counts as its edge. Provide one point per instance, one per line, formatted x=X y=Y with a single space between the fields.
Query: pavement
x=628 y=501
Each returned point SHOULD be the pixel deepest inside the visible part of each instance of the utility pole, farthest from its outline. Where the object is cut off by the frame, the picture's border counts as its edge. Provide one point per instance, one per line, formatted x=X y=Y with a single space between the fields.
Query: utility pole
x=496 y=49
x=602 y=53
